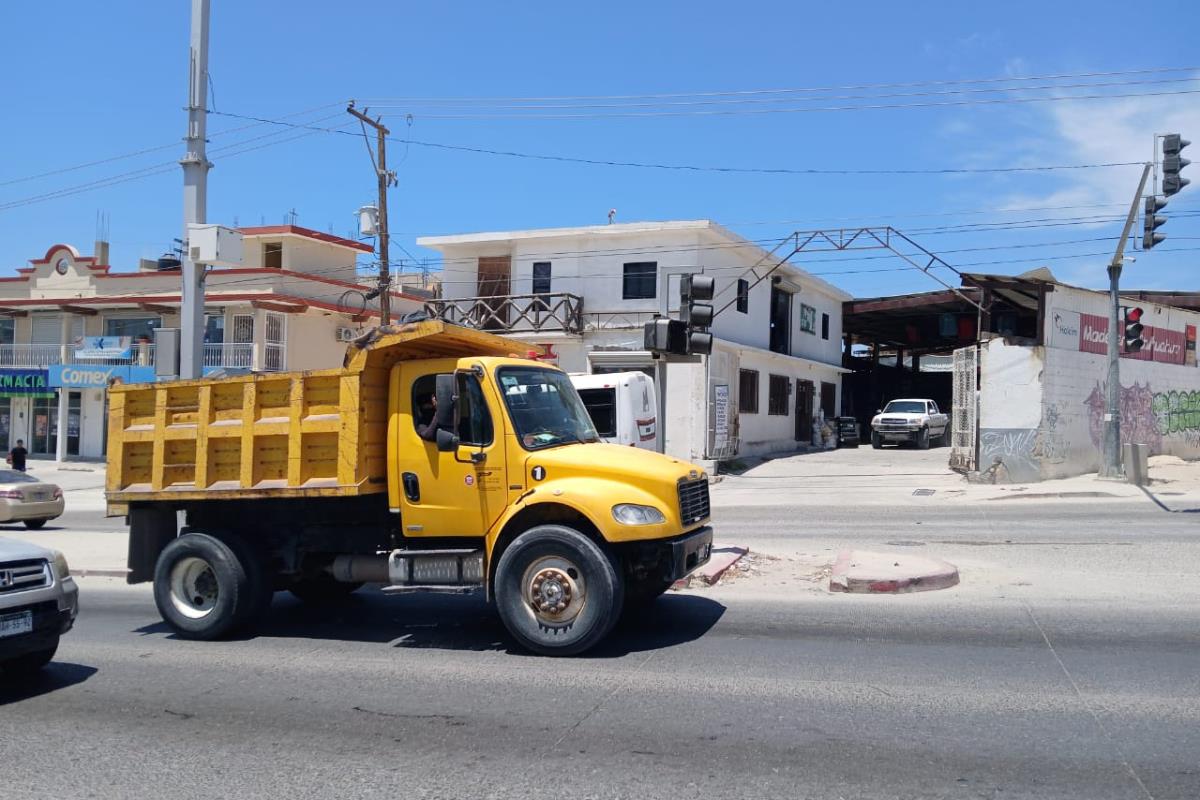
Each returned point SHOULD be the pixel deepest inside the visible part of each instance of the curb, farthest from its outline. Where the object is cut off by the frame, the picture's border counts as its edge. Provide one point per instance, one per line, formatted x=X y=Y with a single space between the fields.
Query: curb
x=723 y=557
x=864 y=572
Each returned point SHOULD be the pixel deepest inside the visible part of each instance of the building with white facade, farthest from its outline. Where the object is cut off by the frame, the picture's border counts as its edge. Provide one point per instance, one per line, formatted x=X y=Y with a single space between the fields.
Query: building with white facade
x=586 y=292
x=70 y=325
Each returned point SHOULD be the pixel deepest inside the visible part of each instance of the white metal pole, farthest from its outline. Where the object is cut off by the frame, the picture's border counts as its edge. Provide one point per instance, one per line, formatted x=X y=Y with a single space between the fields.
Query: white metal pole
x=195 y=196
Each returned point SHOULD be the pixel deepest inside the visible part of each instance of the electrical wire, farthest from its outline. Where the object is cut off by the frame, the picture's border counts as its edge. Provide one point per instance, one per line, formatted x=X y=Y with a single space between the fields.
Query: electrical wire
x=696 y=168
x=852 y=87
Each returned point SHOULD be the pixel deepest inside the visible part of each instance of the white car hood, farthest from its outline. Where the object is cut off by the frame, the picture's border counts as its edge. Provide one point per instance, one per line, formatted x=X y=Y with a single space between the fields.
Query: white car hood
x=14 y=550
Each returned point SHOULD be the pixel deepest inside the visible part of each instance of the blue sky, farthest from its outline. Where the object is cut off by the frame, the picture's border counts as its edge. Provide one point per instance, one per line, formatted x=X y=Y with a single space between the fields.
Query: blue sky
x=90 y=81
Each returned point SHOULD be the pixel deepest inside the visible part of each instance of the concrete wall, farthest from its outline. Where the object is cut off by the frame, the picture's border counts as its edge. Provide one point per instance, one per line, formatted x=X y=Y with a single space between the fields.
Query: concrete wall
x=1042 y=408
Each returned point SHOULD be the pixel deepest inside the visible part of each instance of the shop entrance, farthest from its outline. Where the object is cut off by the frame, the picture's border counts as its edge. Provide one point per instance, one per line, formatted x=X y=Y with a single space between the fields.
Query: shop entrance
x=43 y=440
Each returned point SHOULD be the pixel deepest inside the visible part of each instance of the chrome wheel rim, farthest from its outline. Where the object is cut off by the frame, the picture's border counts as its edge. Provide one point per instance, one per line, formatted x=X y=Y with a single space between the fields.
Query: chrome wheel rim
x=194 y=587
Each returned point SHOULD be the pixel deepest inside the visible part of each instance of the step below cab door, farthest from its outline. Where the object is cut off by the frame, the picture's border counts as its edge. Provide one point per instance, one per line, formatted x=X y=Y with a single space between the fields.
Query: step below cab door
x=456 y=493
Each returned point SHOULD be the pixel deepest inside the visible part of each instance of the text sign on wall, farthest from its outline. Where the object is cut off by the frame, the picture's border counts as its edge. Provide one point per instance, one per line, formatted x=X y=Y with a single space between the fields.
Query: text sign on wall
x=1064 y=329
x=84 y=376
x=98 y=347
x=25 y=383
x=720 y=415
x=1162 y=345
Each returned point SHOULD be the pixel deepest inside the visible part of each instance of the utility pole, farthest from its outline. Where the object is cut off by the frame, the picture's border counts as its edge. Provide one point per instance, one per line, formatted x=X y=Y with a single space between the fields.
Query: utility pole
x=195 y=196
x=385 y=179
x=1112 y=420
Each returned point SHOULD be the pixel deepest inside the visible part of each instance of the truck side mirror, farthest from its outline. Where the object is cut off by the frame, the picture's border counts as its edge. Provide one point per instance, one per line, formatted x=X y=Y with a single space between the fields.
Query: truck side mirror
x=447 y=440
x=446 y=401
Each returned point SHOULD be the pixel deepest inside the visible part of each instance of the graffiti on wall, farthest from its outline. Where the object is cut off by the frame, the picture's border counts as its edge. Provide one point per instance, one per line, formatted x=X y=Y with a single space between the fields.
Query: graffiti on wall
x=1178 y=413
x=1011 y=447
x=1050 y=444
x=1147 y=416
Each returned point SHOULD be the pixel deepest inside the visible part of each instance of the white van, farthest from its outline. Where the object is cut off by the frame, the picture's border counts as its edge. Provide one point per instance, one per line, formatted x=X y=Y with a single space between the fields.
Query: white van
x=623 y=407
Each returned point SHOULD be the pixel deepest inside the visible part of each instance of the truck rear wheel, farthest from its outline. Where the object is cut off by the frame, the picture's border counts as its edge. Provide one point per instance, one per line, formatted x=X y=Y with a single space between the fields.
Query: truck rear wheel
x=556 y=590
x=201 y=587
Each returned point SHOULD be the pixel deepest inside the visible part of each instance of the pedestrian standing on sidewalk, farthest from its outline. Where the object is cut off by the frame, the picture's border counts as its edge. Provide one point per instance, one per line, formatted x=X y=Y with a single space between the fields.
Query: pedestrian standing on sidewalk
x=16 y=456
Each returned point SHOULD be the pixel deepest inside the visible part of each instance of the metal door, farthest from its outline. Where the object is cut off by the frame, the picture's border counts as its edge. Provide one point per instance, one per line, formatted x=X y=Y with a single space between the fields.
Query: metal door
x=804 y=411
x=964 y=417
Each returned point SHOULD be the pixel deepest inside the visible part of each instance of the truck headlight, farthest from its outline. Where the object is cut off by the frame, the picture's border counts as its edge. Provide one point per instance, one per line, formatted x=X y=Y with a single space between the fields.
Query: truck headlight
x=632 y=514
x=59 y=563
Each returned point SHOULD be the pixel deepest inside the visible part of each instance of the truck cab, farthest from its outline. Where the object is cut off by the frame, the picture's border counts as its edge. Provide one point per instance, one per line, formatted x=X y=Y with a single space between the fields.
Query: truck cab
x=623 y=407
x=432 y=461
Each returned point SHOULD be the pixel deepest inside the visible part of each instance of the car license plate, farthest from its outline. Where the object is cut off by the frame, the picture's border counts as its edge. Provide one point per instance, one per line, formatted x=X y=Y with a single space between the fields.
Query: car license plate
x=16 y=624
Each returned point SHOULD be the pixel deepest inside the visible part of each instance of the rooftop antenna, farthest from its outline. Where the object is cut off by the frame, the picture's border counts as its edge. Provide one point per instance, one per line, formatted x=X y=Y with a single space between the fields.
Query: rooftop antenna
x=612 y=215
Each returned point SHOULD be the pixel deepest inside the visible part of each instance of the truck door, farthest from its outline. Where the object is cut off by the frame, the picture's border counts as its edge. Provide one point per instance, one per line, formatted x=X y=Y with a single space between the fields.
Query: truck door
x=446 y=494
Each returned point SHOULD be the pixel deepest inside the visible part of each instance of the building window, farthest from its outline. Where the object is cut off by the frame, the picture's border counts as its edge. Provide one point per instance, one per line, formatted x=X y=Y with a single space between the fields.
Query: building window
x=743 y=295
x=748 y=391
x=808 y=319
x=214 y=329
x=7 y=330
x=777 y=395
x=273 y=255
x=640 y=282
x=541 y=277
x=134 y=327
x=824 y=326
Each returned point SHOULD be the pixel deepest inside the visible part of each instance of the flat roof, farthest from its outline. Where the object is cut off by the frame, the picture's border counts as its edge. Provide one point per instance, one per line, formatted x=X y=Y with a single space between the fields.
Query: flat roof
x=308 y=233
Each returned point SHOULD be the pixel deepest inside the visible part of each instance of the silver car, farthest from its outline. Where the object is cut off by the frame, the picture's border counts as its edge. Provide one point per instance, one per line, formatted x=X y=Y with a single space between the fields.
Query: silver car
x=23 y=498
x=38 y=603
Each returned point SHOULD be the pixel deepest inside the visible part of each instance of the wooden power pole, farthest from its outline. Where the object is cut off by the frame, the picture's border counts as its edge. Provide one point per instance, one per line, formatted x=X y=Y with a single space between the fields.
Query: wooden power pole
x=385 y=179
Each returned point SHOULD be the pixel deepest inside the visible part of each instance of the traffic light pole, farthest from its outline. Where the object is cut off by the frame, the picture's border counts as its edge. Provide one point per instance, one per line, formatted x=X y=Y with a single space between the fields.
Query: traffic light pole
x=1111 y=467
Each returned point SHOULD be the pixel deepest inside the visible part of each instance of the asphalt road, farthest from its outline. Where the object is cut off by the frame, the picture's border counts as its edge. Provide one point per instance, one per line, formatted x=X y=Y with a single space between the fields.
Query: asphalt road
x=1009 y=686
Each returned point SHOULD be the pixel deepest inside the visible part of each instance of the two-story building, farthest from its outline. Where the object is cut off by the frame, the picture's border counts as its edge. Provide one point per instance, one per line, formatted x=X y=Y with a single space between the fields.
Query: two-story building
x=587 y=292
x=70 y=326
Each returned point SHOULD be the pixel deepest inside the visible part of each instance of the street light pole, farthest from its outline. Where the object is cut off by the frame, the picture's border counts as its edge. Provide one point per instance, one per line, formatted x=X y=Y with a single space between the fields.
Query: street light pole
x=1111 y=467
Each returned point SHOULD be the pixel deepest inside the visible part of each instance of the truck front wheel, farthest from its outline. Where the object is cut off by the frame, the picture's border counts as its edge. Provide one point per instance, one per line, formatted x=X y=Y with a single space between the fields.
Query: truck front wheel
x=876 y=440
x=557 y=592
x=201 y=587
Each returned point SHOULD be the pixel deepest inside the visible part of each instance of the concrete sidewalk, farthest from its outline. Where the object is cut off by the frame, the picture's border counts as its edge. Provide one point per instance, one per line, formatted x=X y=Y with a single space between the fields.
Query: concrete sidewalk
x=906 y=477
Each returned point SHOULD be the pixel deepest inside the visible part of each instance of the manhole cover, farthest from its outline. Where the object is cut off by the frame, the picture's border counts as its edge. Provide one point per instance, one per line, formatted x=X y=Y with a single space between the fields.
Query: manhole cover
x=923 y=492
x=906 y=543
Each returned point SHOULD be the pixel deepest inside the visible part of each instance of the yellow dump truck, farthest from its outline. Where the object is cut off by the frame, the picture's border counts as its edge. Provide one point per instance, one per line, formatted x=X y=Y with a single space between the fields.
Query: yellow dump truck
x=432 y=460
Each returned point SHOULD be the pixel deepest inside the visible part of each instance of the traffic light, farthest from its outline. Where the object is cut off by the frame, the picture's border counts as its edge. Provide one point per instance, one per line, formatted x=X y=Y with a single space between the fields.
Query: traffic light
x=1133 y=330
x=664 y=335
x=1173 y=163
x=696 y=311
x=1151 y=220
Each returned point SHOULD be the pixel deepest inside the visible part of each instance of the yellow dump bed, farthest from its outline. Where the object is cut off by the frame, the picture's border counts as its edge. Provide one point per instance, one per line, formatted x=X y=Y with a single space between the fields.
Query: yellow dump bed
x=287 y=434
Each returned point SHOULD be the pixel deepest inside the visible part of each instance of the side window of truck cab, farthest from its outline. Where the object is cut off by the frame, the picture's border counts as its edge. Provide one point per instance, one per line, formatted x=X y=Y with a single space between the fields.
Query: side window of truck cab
x=473 y=421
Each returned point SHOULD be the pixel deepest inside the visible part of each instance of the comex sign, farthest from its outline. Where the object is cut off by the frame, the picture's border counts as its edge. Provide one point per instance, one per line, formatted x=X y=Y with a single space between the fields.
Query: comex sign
x=74 y=376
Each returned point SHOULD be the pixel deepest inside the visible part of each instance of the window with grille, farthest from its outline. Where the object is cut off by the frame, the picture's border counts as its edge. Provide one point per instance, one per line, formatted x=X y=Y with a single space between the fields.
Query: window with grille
x=748 y=391
x=777 y=395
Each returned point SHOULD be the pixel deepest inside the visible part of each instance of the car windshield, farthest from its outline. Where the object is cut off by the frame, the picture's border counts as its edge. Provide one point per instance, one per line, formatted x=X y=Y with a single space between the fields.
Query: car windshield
x=905 y=407
x=544 y=407
x=13 y=476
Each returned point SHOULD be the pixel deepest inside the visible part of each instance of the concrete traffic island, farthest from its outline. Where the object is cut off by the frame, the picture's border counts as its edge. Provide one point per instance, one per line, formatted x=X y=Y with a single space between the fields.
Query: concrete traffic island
x=866 y=572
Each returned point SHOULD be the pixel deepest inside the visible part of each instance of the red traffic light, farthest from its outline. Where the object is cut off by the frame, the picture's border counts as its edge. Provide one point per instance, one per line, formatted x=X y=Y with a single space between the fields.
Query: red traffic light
x=1133 y=315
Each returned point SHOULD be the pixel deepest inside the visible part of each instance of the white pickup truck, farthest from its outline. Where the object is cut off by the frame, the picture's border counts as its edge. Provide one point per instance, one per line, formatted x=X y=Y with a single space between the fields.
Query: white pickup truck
x=913 y=420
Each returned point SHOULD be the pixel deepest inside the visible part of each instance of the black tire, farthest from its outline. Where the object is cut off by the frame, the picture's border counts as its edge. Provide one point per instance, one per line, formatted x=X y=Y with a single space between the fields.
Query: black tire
x=553 y=552
x=201 y=587
x=35 y=524
x=23 y=666
x=323 y=591
x=876 y=442
x=923 y=439
x=260 y=589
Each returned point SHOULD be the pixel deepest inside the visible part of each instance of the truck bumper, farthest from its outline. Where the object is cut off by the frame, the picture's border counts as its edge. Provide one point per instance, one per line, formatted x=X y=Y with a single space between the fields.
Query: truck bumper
x=689 y=552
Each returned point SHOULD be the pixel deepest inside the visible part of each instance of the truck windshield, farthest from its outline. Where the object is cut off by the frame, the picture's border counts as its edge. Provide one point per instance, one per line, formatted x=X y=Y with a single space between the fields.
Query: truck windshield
x=904 y=407
x=544 y=407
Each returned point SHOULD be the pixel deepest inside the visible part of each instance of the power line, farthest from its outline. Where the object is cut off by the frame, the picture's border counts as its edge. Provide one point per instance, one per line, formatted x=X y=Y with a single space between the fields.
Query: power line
x=852 y=87
x=696 y=168
x=775 y=100
x=816 y=109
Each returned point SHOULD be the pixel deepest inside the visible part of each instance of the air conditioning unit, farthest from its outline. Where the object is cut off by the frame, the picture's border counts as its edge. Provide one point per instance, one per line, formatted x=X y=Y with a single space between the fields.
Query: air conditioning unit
x=346 y=334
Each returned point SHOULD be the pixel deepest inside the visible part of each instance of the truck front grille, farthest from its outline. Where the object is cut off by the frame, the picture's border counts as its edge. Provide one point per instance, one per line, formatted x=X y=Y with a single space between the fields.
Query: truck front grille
x=18 y=576
x=693 y=500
